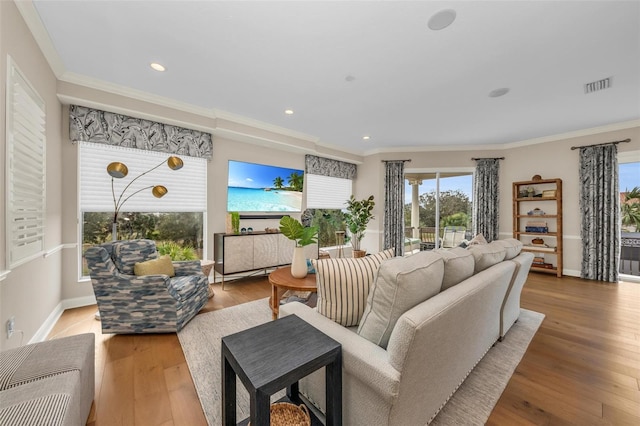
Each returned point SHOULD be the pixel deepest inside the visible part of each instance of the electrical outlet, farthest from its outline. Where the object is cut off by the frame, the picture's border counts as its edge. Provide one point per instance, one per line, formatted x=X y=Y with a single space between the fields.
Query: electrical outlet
x=11 y=325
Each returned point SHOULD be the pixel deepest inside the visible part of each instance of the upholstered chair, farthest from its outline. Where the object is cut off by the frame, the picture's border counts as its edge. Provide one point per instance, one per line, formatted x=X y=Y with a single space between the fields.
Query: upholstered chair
x=156 y=303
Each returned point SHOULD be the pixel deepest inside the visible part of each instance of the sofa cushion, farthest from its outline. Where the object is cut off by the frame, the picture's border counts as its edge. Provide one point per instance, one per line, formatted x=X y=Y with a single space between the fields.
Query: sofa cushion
x=159 y=266
x=459 y=265
x=400 y=284
x=511 y=246
x=343 y=285
x=487 y=255
x=127 y=253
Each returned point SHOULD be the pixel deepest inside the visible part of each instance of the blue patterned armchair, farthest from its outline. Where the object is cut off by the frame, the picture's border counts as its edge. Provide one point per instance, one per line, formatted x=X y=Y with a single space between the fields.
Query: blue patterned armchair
x=143 y=304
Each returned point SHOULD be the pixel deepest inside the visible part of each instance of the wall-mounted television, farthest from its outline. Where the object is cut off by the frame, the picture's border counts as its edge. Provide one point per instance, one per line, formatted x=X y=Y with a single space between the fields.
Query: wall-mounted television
x=260 y=188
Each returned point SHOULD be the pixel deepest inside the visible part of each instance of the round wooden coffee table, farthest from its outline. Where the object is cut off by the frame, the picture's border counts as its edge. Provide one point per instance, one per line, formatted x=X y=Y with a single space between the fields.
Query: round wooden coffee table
x=281 y=280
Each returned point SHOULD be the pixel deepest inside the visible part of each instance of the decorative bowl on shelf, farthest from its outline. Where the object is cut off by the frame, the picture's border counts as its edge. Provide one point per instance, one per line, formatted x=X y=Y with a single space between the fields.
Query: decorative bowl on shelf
x=535 y=212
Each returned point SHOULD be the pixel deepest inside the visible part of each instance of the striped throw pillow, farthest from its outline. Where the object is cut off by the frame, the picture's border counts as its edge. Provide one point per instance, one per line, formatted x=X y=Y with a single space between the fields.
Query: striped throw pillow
x=343 y=285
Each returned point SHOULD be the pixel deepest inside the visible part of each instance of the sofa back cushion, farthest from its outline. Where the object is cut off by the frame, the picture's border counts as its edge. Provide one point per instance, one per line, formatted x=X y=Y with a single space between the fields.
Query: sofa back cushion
x=129 y=252
x=343 y=285
x=401 y=284
x=459 y=265
x=511 y=246
x=486 y=256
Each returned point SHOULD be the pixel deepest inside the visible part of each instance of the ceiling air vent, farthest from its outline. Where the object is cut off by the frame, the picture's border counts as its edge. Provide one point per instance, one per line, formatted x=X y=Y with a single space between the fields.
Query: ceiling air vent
x=594 y=86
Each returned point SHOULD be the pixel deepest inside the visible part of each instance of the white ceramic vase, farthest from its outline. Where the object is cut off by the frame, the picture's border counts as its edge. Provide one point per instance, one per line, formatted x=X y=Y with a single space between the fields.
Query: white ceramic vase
x=299 y=263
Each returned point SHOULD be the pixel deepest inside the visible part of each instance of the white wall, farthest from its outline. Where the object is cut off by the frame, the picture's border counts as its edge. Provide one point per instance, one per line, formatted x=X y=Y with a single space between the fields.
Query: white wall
x=32 y=291
x=553 y=159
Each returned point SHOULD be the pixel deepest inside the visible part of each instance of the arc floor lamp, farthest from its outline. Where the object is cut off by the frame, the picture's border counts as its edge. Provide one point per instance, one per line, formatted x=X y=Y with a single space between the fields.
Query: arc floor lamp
x=118 y=170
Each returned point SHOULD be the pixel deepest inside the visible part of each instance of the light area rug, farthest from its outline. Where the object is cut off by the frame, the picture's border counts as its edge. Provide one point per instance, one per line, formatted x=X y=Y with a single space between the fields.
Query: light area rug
x=470 y=405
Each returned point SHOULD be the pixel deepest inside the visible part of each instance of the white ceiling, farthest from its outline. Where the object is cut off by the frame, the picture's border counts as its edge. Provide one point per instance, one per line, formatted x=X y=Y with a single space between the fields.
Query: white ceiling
x=411 y=86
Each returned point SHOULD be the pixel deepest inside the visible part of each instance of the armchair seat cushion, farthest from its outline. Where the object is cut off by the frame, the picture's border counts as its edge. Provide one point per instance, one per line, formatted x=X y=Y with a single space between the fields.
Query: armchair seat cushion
x=188 y=285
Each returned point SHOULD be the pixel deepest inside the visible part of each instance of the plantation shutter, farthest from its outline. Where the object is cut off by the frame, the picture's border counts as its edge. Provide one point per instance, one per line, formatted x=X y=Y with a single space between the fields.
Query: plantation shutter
x=25 y=197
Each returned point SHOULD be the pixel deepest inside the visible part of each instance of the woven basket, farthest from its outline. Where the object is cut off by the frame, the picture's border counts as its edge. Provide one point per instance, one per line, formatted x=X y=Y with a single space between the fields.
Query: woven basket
x=286 y=414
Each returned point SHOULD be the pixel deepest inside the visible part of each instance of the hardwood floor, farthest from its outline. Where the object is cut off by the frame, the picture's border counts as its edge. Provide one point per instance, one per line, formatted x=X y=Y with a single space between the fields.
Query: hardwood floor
x=582 y=367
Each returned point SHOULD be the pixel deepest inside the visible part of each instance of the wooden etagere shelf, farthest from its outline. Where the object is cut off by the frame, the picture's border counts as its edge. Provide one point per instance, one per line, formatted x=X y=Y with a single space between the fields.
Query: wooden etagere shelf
x=540 y=200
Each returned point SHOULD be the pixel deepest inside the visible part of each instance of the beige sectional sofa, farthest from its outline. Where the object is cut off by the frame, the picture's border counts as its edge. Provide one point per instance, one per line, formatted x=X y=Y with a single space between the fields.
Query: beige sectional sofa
x=429 y=319
x=48 y=383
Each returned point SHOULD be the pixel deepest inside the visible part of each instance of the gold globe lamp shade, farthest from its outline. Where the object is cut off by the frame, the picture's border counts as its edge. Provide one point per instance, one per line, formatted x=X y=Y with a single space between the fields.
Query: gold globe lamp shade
x=159 y=191
x=117 y=170
x=175 y=163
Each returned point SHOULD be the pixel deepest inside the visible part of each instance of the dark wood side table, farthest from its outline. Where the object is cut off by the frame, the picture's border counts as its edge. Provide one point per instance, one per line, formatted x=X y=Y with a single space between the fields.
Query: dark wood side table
x=275 y=355
x=281 y=280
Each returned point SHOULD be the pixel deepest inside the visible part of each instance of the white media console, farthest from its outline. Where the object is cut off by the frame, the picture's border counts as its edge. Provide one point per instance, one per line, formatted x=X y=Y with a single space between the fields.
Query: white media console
x=237 y=253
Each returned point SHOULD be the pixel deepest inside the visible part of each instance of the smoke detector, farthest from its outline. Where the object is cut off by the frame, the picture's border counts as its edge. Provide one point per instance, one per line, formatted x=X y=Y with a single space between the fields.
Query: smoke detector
x=594 y=86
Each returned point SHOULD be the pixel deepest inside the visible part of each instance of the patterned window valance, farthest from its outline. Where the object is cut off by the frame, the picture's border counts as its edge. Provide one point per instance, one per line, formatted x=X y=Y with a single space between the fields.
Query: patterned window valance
x=93 y=125
x=328 y=167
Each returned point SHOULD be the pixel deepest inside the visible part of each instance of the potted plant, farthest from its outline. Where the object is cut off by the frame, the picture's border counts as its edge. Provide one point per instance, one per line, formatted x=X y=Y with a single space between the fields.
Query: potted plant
x=302 y=236
x=358 y=215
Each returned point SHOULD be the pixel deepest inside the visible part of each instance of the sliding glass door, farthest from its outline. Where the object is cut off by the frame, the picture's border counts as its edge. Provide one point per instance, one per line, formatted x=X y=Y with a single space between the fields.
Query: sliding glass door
x=629 y=175
x=438 y=207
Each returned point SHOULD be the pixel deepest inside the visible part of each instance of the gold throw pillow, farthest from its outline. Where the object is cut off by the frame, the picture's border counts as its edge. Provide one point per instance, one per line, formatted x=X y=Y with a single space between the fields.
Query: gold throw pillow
x=161 y=265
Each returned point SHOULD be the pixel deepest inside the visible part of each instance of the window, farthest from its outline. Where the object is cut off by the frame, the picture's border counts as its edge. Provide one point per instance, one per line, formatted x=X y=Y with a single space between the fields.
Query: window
x=629 y=183
x=328 y=196
x=176 y=221
x=25 y=167
x=439 y=203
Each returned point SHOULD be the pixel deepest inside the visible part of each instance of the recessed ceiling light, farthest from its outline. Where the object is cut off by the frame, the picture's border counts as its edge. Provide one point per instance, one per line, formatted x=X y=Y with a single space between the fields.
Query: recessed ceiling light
x=366 y=138
x=288 y=111
x=156 y=66
x=499 y=92
x=442 y=19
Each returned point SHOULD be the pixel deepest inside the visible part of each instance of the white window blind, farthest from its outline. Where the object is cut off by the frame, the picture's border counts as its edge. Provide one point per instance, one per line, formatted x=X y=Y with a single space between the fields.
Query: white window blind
x=25 y=169
x=325 y=192
x=186 y=186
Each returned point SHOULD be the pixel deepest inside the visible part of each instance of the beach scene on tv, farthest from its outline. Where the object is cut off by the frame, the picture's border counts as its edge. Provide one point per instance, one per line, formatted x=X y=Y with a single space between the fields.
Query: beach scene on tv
x=263 y=188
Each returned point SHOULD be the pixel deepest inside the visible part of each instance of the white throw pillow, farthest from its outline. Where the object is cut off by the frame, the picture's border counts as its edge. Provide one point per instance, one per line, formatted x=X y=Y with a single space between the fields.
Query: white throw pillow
x=459 y=265
x=343 y=285
x=401 y=284
x=511 y=246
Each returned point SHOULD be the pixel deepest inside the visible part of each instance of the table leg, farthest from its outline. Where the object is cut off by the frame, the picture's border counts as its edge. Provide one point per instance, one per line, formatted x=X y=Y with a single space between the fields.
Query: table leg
x=260 y=412
x=333 y=375
x=275 y=302
x=228 y=393
x=293 y=393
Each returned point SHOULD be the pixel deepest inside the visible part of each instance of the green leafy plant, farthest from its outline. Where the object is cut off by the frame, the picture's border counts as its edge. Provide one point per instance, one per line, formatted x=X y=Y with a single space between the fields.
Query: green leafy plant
x=176 y=251
x=630 y=208
x=293 y=230
x=235 y=222
x=358 y=215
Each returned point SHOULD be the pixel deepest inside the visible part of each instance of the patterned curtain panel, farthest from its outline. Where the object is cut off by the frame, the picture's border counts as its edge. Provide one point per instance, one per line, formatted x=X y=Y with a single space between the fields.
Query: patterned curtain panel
x=93 y=125
x=600 y=211
x=394 y=206
x=328 y=167
x=486 y=198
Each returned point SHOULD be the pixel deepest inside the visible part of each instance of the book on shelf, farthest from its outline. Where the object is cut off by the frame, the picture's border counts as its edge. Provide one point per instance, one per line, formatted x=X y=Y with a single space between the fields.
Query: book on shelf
x=539 y=229
x=539 y=248
x=543 y=265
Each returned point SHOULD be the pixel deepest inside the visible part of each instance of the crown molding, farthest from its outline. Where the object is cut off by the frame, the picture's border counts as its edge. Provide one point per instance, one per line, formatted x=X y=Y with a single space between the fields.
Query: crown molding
x=40 y=34
x=496 y=147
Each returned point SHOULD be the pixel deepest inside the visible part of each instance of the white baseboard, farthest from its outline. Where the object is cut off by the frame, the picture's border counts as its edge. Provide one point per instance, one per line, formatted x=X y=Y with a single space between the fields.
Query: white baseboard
x=55 y=315
x=48 y=324
x=78 y=302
